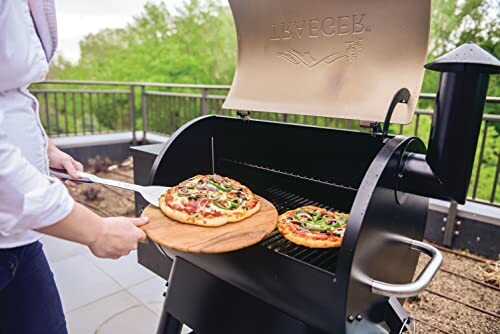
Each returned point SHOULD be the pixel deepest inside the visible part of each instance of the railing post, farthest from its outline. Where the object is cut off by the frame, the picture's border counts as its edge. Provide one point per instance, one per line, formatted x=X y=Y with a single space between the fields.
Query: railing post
x=132 y=114
x=480 y=160
x=495 y=182
x=450 y=223
x=144 y=114
x=204 y=106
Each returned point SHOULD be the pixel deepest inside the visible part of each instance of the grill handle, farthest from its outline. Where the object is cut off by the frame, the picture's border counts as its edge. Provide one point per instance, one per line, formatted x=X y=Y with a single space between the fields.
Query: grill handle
x=425 y=277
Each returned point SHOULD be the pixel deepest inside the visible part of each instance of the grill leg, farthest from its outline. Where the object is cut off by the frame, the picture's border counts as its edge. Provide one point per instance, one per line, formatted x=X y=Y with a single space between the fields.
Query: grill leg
x=168 y=324
x=393 y=314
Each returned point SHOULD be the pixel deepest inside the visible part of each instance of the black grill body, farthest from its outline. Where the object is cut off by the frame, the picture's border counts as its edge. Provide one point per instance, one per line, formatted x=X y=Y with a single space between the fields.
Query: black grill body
x=285 y=288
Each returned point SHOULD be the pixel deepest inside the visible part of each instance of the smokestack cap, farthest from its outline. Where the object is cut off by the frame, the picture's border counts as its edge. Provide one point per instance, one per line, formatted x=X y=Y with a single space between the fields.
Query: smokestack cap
x=468 y=57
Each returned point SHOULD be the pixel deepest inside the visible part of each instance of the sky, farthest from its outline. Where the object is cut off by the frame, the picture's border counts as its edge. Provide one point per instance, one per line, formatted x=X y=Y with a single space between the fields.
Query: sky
x=77 y=18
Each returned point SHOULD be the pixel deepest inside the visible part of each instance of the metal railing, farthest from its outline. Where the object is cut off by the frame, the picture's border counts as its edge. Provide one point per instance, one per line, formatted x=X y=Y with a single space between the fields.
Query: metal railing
x=90 y=107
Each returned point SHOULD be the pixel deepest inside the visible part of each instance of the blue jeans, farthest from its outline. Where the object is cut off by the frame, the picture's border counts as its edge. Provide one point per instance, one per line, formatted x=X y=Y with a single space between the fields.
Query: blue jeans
x=29 y=300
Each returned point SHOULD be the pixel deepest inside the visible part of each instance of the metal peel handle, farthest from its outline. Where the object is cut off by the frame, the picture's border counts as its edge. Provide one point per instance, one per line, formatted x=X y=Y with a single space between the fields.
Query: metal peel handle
x=150 y=193
x=109 y=182
x=425 y=277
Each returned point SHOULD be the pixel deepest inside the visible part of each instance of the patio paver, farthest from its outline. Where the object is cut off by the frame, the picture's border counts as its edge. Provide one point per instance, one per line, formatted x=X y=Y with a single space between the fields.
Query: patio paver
x=135 y=320
x=150 y=293
x=89 y=318
x=125 y=271
x=104 y=296
x=80 y=282
x=59 y=249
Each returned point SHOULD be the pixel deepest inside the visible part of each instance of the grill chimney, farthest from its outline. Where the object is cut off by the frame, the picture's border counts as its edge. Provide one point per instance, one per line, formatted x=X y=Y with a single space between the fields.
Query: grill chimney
x=457 y=117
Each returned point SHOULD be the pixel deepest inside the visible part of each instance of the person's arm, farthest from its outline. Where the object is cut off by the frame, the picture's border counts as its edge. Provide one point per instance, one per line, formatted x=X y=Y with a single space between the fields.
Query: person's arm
x=30 y=200
x=106 y=237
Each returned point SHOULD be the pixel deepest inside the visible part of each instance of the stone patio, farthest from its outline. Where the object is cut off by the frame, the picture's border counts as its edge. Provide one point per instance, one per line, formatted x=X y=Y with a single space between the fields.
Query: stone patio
x=104 y=296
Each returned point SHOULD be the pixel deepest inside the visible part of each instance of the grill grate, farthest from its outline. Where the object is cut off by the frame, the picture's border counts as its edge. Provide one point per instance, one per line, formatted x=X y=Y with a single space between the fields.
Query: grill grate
x=285 y=173
x=325 y=259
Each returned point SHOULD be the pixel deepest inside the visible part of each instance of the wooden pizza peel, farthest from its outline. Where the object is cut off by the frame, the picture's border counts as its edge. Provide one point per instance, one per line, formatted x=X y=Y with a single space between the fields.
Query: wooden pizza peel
x=199 y=239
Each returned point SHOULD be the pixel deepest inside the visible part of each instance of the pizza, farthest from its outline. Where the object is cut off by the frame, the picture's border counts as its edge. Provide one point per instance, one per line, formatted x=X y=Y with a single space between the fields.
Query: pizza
x=313 y=227
x=209 y=200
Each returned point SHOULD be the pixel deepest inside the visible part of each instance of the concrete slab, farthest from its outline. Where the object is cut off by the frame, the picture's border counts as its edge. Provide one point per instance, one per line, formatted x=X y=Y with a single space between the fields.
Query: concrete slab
x=137 y=319
x=81 y=282
x=58 y=249
x=88 y=319
x=150 y=293
x=126 y=271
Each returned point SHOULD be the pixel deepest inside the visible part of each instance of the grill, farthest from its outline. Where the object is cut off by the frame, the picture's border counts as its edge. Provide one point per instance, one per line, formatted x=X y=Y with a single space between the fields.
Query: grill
x=383 y=181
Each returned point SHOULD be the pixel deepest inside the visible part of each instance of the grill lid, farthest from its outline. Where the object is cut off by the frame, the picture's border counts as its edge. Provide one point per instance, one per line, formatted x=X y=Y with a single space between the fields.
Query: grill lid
x=332 y=58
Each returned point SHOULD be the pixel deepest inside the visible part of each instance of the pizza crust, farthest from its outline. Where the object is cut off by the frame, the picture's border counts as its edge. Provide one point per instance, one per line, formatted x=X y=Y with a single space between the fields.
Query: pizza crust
x=184 y=217
x=305 y=238
x=229 y=216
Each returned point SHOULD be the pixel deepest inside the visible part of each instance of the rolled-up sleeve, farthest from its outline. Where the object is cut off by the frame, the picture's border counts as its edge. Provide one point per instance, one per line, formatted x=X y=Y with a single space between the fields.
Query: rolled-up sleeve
x=22 y=59
x=28 y=199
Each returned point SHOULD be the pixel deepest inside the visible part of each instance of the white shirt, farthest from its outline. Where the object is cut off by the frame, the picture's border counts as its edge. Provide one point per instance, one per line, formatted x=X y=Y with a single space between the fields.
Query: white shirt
x=29 y=198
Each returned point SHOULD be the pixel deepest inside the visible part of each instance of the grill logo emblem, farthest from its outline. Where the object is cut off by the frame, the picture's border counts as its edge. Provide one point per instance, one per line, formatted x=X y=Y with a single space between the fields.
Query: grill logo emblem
x=351 y=53
x=327 y=27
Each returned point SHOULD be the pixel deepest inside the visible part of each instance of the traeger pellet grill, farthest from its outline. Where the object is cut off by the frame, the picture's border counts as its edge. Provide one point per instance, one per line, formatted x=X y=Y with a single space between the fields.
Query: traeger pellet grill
x=349 y=59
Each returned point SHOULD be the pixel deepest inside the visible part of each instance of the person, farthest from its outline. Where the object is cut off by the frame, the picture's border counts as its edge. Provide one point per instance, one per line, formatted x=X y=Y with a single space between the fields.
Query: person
x=32 y=202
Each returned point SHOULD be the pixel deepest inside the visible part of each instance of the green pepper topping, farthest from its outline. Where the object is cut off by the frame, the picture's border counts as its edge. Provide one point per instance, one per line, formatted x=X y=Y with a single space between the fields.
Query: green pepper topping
x=235 y=203
x=302 y=215
x=184 y=192
x=319 y=218
x=338 y=224
x=214 y=195
x=219 y=186
x=224 y=204
x=316 y=227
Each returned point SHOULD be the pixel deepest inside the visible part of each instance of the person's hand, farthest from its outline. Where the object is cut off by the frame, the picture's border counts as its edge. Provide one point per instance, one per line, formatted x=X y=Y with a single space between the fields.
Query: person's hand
x=118 y=236
x=59 y=159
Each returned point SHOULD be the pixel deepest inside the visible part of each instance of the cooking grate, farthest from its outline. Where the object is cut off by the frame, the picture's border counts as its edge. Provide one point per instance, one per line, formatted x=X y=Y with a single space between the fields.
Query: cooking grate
x=274 y=171
x=325 y=259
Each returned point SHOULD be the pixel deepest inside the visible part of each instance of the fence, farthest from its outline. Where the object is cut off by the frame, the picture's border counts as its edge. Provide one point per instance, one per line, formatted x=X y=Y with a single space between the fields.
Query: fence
x=87 y=107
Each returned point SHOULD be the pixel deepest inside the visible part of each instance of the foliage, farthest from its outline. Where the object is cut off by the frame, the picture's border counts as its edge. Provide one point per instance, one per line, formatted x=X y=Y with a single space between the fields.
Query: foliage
x=196 y=45
x=455 y=22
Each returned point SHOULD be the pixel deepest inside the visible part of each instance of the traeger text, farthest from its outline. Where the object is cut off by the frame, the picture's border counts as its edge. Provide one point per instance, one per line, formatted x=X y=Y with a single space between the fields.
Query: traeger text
x=314 y=28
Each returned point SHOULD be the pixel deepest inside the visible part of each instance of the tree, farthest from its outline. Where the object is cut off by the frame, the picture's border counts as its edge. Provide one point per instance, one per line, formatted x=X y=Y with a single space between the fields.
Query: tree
x=197 y=45
x=455 y=22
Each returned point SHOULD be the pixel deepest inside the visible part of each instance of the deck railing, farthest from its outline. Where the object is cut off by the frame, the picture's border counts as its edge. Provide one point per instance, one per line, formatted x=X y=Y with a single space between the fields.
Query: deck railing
x=89 y=107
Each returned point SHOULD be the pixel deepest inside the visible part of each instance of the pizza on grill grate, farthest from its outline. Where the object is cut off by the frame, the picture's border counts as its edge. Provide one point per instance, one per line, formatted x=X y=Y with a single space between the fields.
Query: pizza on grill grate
x=313 y=227
x=209 y=200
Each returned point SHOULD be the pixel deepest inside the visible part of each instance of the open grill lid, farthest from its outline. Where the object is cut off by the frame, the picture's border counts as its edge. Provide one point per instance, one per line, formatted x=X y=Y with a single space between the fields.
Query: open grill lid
x=332 y=58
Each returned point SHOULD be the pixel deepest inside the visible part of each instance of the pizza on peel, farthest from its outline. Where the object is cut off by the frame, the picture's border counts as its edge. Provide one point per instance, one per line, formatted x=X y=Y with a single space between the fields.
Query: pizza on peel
x=209 y=200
